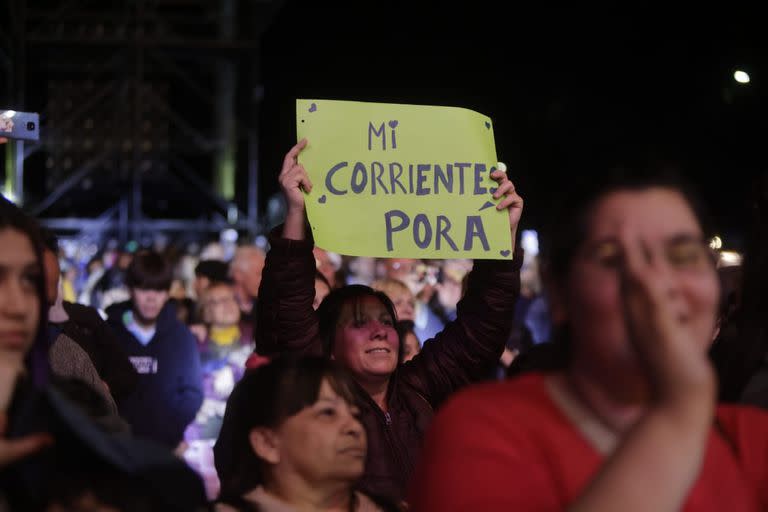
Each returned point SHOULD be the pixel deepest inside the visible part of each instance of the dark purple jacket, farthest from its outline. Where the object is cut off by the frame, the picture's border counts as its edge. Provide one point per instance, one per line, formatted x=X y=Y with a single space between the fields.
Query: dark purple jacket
x=462 y=353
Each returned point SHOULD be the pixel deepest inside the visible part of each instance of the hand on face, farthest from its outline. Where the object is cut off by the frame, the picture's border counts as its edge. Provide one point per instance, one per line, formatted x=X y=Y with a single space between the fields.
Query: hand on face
x=641 y=294
x=667 y=332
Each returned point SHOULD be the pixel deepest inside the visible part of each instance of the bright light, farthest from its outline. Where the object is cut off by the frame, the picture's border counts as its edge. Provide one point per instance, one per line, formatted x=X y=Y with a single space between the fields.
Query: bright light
x=8 y=114
x=10 y=196
x=261 y=242
x=716 y=243
x=729 y=259
x=529 y=239
x=741 y=76
x=229 y=235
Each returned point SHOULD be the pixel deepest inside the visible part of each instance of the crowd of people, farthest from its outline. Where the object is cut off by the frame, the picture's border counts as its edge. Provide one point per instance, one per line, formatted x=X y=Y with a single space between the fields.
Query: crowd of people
x=294 y=379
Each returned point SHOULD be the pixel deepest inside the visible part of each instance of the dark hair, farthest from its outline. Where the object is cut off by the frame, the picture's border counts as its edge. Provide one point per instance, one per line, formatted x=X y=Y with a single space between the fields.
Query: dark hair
x=216 y=271
x=568 y=228
x=50 y=241
x=149 y=271
x=330 y=310
x=11 y=217
x=404 y=327
x=571 y=216
x=265 y=397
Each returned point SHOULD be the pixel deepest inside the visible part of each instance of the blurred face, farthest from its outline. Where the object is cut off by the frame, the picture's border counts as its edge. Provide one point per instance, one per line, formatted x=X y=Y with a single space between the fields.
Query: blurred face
x=400 y=268
x=124 y=260
x=221 y=306
x=200 y=284
x=95 y=266
x=147 y=304
x=413 y=273
x=405 y=304
x=246 y=271
x=178 y=291
x=591 y=301
x=52 y=274
x=366 y=341
x=325 y=441
x=411 y=346
x=324 y=264
x=321 y=292
x=70 y=274
x=19 y=303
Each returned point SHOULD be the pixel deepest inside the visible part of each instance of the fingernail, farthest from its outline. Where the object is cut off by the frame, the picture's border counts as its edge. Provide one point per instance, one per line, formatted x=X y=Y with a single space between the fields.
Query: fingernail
x=502 y=166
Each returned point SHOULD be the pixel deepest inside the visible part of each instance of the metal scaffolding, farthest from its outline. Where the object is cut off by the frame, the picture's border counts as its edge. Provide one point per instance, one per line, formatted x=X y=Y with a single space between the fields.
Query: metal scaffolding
x=141 y=98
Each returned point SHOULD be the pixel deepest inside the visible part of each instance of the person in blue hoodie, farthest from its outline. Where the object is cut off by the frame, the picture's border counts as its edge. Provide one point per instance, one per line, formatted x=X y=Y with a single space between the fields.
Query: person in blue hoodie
x=163 y=351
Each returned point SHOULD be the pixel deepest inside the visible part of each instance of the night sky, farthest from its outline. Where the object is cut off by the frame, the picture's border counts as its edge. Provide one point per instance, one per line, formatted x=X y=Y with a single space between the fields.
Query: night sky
x=563 y=86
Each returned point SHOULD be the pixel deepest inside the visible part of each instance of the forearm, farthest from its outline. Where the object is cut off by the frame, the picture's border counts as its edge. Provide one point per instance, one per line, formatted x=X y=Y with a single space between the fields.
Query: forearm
x=656 y=464
x=487 y=308
x=469 y=346
x=286 y=319
x=294 y=227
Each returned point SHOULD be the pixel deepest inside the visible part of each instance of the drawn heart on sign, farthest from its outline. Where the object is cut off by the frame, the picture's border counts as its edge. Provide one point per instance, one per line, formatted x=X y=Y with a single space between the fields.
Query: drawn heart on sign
x=321 y=199
x=505 y=252
x=313 y=107
x=488 y=125
x=393 y=124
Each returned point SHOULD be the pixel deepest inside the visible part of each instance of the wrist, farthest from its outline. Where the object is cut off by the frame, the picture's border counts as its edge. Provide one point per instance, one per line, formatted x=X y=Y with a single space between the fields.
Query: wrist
x=297 y=213
x=694 y=398
x=513 y=232
x=294 y=225
x=691 y=420
x=295 y=209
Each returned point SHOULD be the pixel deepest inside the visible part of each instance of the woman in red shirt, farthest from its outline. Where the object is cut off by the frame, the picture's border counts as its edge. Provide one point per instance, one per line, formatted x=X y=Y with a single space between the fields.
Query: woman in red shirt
x=629 y=420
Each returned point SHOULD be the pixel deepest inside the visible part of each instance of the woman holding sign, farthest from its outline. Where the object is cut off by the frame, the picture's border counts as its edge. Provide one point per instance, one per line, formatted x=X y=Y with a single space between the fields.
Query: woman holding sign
x=628 y=421
x=356 y=326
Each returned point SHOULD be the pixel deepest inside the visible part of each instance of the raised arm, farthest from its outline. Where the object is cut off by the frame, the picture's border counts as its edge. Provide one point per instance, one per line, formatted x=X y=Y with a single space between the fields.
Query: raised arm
x=468 y=348
x=658 y=461
x=286 y=320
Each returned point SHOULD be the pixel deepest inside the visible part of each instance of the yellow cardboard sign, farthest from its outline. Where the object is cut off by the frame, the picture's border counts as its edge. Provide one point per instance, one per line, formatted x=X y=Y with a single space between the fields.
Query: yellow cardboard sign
x=405 y=181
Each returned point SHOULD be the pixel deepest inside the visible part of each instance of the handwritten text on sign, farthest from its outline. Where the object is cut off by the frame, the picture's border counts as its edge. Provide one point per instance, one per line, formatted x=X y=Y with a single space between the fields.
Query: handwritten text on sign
x=401 y=180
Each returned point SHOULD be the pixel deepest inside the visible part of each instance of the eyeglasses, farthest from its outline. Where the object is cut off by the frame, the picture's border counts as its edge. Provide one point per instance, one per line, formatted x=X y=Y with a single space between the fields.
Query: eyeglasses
x=681 y=253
